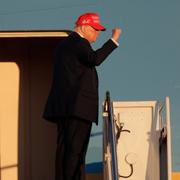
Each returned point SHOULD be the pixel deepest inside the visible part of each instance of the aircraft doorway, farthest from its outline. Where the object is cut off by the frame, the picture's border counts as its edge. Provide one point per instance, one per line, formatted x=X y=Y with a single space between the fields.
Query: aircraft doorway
x=27 y=142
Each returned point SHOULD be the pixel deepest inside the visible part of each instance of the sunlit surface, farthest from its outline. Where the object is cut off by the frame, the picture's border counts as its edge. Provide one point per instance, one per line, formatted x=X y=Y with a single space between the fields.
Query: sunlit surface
x=9 y=97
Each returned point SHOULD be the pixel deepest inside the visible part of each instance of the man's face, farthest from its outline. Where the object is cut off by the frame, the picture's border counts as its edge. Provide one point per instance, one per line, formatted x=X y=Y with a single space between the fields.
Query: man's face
x=91 y=34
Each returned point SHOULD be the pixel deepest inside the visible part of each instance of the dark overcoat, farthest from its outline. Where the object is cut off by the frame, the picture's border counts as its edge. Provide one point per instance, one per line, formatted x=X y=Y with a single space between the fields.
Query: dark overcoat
x=74 y=90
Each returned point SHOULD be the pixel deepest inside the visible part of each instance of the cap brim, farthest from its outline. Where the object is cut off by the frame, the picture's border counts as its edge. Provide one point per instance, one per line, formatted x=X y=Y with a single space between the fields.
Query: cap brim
x=99 y=27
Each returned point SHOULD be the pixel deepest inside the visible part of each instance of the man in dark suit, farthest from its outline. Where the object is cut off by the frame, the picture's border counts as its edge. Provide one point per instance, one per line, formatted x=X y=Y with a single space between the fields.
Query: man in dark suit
x=73 y=99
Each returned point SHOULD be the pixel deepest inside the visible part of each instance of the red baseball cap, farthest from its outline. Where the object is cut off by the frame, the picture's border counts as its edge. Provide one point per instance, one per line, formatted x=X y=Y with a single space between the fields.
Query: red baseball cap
x=91 y=19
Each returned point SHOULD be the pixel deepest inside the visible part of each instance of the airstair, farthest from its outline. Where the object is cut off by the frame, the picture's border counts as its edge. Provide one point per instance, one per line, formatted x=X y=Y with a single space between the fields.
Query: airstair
x=136 y=140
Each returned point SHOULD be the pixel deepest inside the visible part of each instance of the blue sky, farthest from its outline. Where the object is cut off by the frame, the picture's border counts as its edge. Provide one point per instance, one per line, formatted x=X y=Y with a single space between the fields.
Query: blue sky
x=146 y=66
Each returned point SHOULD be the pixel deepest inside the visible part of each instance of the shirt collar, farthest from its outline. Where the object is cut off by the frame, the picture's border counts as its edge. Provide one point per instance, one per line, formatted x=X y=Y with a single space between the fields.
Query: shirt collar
x=80 y=34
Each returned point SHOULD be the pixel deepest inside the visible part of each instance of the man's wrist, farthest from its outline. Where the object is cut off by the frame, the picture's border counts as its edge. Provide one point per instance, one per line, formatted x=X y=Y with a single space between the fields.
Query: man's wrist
x=115 y=42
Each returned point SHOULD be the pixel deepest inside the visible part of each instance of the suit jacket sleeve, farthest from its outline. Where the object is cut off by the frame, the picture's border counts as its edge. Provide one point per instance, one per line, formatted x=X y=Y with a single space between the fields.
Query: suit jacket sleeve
x=95 y=58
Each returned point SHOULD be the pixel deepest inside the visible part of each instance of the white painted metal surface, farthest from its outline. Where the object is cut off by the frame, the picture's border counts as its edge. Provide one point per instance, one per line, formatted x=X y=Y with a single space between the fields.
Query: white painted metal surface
x=9 y=100
x=25 y=34
x=169 y=151
x=141 y=144
x=143 y=141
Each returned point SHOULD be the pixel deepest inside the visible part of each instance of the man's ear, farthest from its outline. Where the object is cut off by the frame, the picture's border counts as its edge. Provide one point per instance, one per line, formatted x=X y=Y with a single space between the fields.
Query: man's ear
x=84 y=29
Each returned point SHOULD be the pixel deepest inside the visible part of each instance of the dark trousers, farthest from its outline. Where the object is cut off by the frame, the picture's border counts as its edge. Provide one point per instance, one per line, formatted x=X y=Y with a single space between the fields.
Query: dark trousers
x=72 y=143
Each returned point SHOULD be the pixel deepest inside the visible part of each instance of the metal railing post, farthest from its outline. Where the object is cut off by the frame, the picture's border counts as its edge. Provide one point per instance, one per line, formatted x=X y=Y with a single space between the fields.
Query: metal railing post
x=111 y=137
